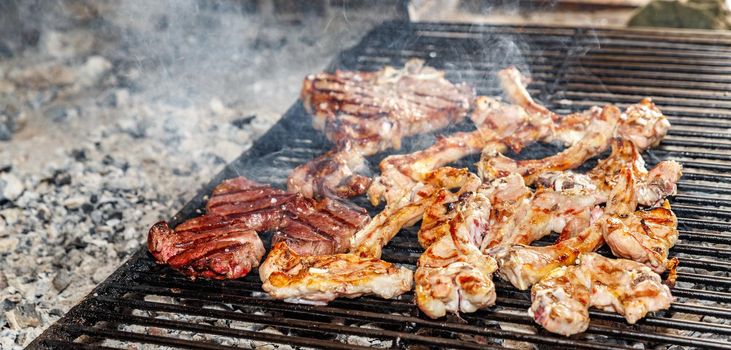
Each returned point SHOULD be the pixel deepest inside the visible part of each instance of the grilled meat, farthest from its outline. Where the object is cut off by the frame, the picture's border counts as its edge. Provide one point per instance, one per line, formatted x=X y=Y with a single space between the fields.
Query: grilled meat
x=499 y=127
x=336 y=173
x=320 y=279
x=374 y=110
x=525 y=265
x=645 y=237
x=370 y=240
x=236 y=211
x=595 y=141
x=562 y=299
x=524 y=217
x=651 y=188
x=364 y=113
x=314 y=228
x=452 y=274
x=227 y=252
x=310 y=227
x=399 y=173
x=642 y=123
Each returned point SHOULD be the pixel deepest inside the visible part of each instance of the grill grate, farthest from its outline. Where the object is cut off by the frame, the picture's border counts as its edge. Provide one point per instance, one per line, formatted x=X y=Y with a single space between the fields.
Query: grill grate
x=687 y=72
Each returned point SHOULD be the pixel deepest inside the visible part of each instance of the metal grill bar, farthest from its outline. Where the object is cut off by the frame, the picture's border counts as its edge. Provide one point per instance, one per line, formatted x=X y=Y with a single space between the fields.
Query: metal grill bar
x=687 y=73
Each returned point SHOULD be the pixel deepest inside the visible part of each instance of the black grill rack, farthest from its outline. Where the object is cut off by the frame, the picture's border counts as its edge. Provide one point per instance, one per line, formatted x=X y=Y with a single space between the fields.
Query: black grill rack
x=688 y=73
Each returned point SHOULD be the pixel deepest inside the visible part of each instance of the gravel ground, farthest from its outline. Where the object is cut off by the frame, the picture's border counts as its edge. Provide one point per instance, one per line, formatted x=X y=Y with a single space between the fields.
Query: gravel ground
x=113 y=114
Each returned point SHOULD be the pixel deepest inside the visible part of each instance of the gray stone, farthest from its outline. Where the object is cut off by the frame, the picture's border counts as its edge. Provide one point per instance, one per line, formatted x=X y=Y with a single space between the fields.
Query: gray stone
x=11 y=215
x=3 y=281
x=67 y=44
x=74 y=202
x=92 y=71
x=57 y=113
x=10 y=187
x=8 y=244
x=26 y=315
x=62 y=280
x=5 y=50
x=5 y=133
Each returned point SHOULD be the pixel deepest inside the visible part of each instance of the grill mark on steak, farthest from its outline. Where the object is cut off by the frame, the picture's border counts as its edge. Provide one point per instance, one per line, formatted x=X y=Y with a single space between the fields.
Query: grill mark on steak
x=242 y=196
x=242 y=207
x=364 y=113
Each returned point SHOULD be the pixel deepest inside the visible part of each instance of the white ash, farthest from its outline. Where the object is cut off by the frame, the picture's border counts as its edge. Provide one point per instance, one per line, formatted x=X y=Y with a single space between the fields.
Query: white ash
x=115 y=125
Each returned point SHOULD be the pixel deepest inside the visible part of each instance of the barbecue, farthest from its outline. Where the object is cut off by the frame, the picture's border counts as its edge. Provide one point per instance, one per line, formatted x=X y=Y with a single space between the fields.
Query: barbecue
x=699 y=219
x=364 y=113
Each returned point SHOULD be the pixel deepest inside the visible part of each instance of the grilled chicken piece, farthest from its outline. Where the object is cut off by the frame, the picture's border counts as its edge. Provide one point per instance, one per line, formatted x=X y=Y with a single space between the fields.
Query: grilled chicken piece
x=494 y=121
x=562 y=299
x=595 y=141
x=364 y=113
x=646 y=237
x=227 y=252
x=642 y=123
x=525 y=217
x=651 y=188
x=524 y=265
x=437 y=216
x=319 y=279
x=499 y=127
x=452 y=274
x=370 y=240
x=625 y=287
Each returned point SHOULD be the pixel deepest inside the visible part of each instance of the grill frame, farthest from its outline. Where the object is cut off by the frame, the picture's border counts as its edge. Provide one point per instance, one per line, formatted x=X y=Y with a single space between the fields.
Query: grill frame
x=557 y=82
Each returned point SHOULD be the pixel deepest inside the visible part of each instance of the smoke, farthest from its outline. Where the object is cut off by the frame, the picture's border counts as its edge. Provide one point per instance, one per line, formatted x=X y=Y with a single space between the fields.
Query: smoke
x=227 y=49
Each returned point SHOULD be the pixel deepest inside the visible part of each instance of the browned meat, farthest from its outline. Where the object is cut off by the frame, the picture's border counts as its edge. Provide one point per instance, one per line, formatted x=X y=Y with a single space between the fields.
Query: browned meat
x=227 y=252
x=224 y=243
x=337 y=173
x=364 y=113
x=312 y=228
x=319 y=279
x=595 y=141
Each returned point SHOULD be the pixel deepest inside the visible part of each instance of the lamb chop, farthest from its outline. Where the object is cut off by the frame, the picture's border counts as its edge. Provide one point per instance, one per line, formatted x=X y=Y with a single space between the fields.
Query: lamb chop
x=319 y=279
x=364 y=113
x=561 y=300
x=452 y=274
x=309 y=227
x=224 y=242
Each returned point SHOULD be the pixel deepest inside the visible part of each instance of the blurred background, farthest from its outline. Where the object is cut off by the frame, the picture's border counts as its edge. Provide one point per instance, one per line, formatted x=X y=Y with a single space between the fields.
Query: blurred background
x=113 y=113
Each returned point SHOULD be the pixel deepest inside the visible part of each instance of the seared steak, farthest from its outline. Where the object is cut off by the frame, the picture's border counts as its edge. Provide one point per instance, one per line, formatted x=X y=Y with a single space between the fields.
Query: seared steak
x=224 y=242
x=226 y=252
x=364 y=113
